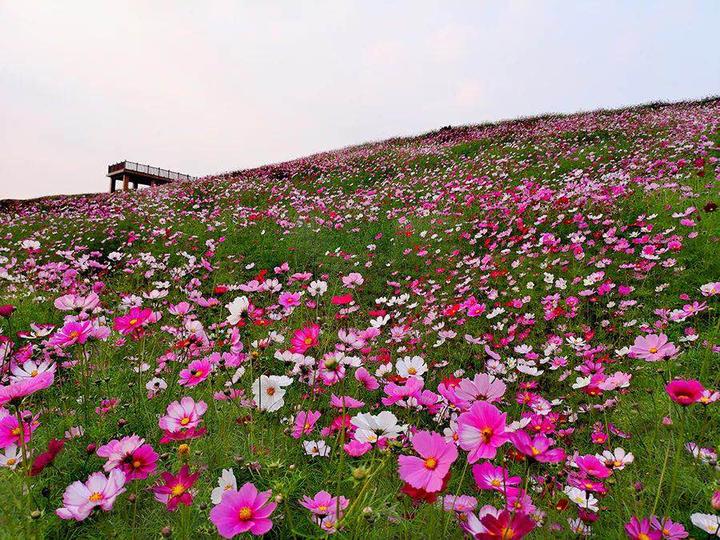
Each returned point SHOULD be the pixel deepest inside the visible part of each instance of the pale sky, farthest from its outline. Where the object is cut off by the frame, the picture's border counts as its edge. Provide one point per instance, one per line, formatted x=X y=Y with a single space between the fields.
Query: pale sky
x=205 y=87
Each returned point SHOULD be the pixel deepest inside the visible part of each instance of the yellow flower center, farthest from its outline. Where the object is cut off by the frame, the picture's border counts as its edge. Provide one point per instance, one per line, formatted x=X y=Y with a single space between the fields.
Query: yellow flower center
x=270 y=391
x=133 y=322
x=431 y=463
x=412 y=371
x=10 y=462
x=534 y=451
x=308 y=340
x=17 y=431
x=95 y=497
x=643 y=536
x=245 y=513
x=136 y=463
x=487 y=434
x=185 y=421
x=178 y=489
x=322 y=508
x=34 y=373
x=74 y=334
x=507 y=534
x=198 y=373
x=495 y=482
x=652 y=350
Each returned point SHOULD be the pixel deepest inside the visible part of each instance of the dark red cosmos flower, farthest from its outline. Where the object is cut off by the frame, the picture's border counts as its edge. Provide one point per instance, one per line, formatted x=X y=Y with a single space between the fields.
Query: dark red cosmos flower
x=220 y=289
x=6 y=310
x=342 y=299
x=419 y=496
x=506 y=526
x=47 y=457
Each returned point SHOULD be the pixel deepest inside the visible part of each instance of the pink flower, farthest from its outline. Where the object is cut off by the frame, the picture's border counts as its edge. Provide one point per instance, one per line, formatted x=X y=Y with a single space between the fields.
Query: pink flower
x=593 y=466
x=481 y=431
x=489 y=476
x=641 y=530
x=242 y=511
x=323 y=504
x=11 y=431
x=437 y=457
x=363 y=376
x=24 y=387
x=71 y=333
x=304 y=422
x=176 y=488
x=183 y=414
x=133 y=321
x=79 y=499
x=537 y=448
x=506 y=526
x=196 y=372
x=685 y=392
x=652 y=347
x=482 y=387
x=131 y=455
x=289 y=300
x=305 y=338
x=356 y=448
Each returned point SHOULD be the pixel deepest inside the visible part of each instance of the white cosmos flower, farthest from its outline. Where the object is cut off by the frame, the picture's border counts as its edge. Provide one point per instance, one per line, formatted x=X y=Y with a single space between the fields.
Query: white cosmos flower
x=616 y=459
x=316 y=448
x=269 y=391
x=409 y=366
x=226 y=482
x=371 y=427
x=709 y=523
x=582 y=498
x=237 y=307
x=317 y=288
x=10 y=457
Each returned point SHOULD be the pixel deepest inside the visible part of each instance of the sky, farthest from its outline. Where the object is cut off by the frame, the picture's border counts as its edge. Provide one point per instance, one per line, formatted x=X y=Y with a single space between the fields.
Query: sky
x=207 y=87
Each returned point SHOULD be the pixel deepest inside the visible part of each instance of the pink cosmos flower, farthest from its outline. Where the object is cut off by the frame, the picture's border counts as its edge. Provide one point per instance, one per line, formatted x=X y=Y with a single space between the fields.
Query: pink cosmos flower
x=131 y=455
x=685 y=392
x=652 y=348
x=489 y=476
x=641 y=530
x=323 y=504
x=71 y=333
x=133 y=321
x=10 y=430
x=80 y=498
x=481 y=431
x=591 y=465
x=304 y=422
x=363 y=376
x=242 y=511
x=196 y=372
x=437 y=457
x=506 y=526
x=669 y=529
x=21 y=388
x=176 y=488
x=289 y=300
x=183 y=414
x=483 y=387
x=537 y=448
x=305 y=338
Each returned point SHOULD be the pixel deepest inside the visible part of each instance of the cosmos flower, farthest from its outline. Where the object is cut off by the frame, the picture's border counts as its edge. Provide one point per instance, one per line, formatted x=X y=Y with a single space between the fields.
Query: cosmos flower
x=21 y=388
x=99 y=490
x=269 y=391
x=246 y=510
x=305 y=338
x=196 y=372
x=653 y=348
x=304 y=422
x=685 y=392
x=428 y=471
x=175 y=489
x=481 y=431
x=131 y=455
x=182 y=415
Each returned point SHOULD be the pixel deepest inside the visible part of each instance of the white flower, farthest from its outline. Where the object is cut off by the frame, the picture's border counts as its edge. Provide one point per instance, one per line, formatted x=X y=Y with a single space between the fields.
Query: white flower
x=616 y=459
x=371 y=427
x=237 y=307
x=316 y=448
x=413 y=366
x=10 y=457
x=707 y=522
x=582 y=498
x=317 y=288
x=269 y=391
x=155 y=385
x=226 y=482
x=31 y=369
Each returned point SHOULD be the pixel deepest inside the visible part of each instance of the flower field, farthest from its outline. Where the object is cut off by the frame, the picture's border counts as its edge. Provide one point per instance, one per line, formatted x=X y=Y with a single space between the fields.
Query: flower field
x=498 y=331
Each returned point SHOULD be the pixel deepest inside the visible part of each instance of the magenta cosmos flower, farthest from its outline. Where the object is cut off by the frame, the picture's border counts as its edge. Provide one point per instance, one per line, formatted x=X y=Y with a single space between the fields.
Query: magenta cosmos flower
x=11 y=431
x=428 y=471
x=305 y=338
x=481 y=431
x=133 y=321
x=196 y=372
x=71 y=333
x=537 y=448
x=653 y=347
x=685 y=392
x=131 y=455
x=324 y=504
x=24 y=387
x=176 y=488
x=183 y=414
x=99 y=490
x=641 y=530
x=304 y=422
x=242 y=511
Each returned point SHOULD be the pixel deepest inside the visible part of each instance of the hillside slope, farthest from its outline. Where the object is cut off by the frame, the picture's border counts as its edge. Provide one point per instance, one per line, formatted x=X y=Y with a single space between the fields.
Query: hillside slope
x=511 y=297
